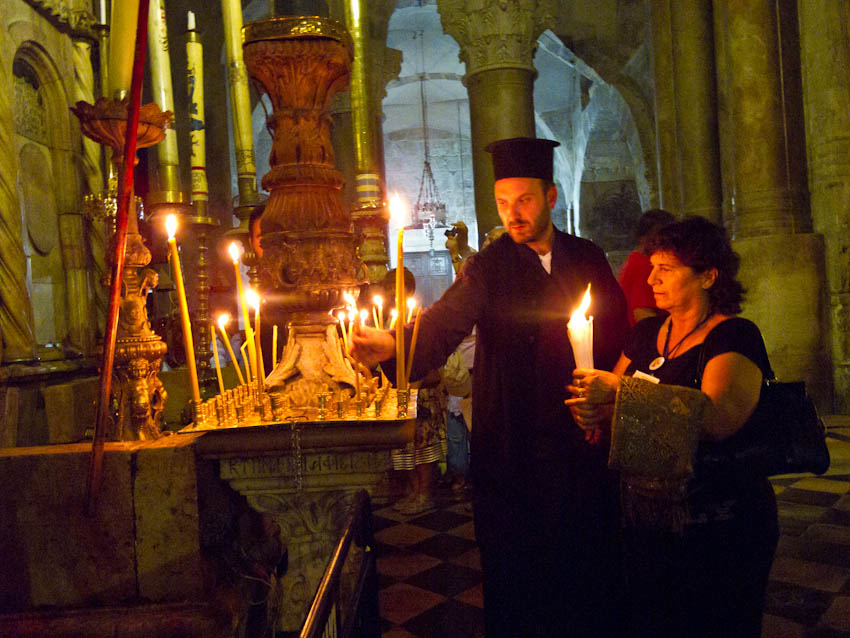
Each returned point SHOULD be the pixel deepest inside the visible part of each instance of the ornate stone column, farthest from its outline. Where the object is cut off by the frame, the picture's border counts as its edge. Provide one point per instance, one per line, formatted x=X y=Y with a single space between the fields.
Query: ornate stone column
x=825 y=51
x=782 y=261
x=666 y=144
x=497 y=43
x=17 y=337
x=696 y=108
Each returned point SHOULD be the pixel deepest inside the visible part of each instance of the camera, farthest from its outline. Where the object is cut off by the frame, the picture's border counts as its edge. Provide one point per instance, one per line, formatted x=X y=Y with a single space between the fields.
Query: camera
x=451 y=232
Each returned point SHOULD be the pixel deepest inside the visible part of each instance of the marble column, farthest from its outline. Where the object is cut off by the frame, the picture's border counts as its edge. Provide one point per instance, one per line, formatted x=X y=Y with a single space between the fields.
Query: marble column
x=696 y=108
x=781 y=260
x=825 y=51
x=17 y=336
x=666 y=145
x=497 y=43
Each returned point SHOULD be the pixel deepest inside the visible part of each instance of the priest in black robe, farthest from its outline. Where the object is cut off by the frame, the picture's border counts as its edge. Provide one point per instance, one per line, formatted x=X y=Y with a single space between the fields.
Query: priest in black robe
x=545 y=503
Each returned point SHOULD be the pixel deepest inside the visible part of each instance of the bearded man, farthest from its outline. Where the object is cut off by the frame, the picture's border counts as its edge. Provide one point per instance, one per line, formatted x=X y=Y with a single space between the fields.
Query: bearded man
x=545 y=503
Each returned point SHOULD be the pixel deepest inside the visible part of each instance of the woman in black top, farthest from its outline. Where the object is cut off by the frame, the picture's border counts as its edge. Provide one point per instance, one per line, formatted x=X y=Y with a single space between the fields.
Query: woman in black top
x=707 y=578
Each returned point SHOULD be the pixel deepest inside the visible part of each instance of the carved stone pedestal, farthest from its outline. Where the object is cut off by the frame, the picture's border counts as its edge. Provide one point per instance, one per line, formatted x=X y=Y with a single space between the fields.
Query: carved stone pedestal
x=305 y=476
x=311 y=519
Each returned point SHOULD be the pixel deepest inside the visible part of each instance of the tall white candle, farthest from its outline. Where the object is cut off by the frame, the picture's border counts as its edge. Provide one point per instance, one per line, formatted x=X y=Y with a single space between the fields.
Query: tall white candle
x=122 y=45
x=160 y=70
x=197 y=118
x=580 y=331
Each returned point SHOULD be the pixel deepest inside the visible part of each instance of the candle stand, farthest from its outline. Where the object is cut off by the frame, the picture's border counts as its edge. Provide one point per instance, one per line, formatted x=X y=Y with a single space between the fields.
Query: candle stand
x=138 y=395
x=204 y=225
x=303 y=441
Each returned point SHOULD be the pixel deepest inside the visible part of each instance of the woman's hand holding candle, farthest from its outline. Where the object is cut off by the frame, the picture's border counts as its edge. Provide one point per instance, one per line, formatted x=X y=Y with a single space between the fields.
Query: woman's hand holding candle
x=592 y=404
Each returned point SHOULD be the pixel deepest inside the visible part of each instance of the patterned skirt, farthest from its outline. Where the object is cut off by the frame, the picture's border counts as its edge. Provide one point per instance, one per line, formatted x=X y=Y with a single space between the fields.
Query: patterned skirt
x=429 y=441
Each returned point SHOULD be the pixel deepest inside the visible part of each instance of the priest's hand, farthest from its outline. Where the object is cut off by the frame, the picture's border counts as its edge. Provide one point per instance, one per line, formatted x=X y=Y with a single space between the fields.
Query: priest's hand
x=371 y=346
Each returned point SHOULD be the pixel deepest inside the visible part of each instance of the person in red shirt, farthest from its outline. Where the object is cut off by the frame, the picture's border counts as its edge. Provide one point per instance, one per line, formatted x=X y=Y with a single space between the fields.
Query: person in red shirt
x=635 y=272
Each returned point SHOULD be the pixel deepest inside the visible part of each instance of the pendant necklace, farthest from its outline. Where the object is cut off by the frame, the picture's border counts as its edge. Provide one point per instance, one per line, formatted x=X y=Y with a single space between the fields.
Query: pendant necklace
x=657 y=362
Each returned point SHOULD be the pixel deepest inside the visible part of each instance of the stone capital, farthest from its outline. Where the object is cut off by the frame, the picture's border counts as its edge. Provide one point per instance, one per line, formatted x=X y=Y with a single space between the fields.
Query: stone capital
x=495 y=34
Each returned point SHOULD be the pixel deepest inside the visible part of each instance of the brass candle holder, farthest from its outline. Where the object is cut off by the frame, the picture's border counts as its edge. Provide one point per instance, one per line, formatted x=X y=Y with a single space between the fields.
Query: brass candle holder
x=136 y=388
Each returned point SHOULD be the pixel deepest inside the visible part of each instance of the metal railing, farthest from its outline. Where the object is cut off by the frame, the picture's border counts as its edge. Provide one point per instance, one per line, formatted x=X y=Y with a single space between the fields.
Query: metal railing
x=360 y=618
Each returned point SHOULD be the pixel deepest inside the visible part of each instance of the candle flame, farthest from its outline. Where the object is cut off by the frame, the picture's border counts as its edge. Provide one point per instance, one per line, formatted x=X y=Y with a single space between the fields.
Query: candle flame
x=364 y=315
x=223 y=320
x=341 y=316
x=378 y=301
x=253 y=299
x=393 y=313
x=233 y=249
x=578 y=316
x=398 y=210
x=411 y=302
x=171 y=226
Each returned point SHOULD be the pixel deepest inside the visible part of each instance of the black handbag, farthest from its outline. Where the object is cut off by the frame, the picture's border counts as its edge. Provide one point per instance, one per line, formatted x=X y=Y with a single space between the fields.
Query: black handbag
x=784 y=435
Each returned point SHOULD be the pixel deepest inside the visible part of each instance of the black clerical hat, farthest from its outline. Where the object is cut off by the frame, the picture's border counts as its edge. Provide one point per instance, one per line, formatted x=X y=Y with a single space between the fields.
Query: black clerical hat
x=522 y=157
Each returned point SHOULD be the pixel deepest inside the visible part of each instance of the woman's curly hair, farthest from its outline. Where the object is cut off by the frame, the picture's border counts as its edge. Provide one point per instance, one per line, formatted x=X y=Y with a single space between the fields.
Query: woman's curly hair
x=702 y=245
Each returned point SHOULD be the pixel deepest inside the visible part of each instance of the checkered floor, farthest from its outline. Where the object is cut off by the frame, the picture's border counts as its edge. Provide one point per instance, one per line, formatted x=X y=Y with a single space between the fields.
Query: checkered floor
x=430 y=572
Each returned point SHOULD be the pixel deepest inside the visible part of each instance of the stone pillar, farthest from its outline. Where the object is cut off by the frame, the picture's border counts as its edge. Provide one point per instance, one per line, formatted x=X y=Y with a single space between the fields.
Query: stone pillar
x=781 y=261
x=497 y=43
x=666 y=145
x=17 y=336
x=696 y=108
x=825 y=51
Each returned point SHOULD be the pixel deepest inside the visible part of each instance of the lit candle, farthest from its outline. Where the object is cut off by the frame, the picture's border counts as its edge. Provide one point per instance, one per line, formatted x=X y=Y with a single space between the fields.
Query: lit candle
x=341 y=318
x=393 y=317
x=233 y=249
x=352 y=315
x=217 y=363
x=171 y=228
x=364 y=315
x=411 y=304
x=399 y=214
x=378 y=311
x=254 y=299
x=122 y=45
x=274 y=346
x=580 y=331
x=223 y=319
x=197 y=131
x=163 y=92
x=412 y=346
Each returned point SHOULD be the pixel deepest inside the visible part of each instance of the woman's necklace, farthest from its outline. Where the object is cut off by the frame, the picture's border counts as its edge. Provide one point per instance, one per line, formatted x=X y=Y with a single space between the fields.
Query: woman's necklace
x=657 y=362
